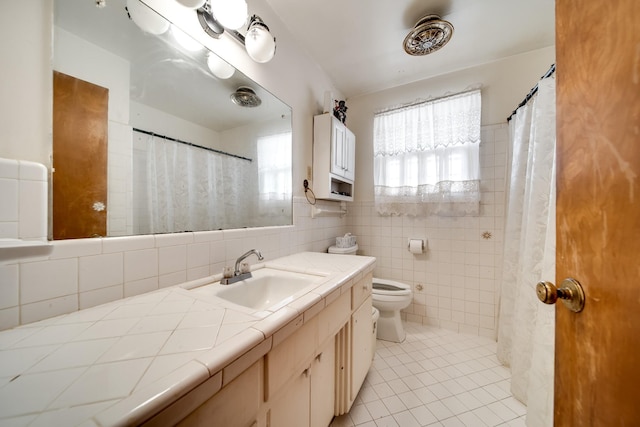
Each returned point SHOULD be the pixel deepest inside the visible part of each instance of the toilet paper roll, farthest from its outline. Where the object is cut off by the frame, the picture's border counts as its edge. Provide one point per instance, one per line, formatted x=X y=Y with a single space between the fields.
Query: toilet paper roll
x=416 y=246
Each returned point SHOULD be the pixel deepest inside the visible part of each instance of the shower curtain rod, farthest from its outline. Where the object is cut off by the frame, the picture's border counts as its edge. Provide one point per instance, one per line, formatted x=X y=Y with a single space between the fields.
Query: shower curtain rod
x=146 y=132
x=533 y=91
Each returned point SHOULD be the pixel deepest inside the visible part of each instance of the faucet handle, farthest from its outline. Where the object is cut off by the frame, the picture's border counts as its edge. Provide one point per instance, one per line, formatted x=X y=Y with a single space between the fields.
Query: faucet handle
x=227 y=272
x=244 y=267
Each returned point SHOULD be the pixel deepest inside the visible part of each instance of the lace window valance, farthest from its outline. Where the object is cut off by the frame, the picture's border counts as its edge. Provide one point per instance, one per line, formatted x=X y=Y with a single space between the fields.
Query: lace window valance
x=426 y=157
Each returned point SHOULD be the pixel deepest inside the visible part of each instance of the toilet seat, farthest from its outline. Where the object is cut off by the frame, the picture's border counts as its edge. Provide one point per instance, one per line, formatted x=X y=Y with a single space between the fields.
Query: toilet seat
x=390 y=287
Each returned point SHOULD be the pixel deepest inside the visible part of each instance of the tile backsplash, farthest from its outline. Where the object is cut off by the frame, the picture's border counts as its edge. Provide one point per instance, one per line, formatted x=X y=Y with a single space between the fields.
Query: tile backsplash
x=84 y=273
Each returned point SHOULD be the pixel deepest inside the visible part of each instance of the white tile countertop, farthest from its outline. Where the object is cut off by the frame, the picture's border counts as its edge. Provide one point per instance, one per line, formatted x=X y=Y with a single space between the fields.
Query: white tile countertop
x=122 y=362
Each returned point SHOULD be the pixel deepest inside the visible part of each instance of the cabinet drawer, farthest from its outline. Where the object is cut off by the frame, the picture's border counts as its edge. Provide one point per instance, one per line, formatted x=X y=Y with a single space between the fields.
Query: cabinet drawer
x=334 y=316
x=361 y=290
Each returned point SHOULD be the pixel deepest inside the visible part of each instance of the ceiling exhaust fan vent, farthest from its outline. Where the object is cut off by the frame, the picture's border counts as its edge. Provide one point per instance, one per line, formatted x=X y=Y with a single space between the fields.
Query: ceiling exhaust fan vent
x=428 y=35
x=245 y=97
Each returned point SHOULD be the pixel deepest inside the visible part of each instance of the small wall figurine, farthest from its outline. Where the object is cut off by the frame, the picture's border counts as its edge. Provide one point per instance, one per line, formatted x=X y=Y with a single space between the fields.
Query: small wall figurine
x=340 y=111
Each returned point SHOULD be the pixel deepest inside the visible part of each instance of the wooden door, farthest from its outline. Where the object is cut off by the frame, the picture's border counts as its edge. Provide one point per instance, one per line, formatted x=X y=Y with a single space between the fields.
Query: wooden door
x=80 y=120
x=597 y=373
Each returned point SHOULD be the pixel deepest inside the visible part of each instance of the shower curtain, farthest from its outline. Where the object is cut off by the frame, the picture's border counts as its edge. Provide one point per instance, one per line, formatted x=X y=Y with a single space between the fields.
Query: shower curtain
x=183 y=188
x=526 y=326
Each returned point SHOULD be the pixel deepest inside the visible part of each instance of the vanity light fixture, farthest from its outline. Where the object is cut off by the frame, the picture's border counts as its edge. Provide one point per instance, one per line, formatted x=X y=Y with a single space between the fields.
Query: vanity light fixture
x=192 y=4
x=145 y=18
x=231 y=14
x=219 y=67
x=258 y=42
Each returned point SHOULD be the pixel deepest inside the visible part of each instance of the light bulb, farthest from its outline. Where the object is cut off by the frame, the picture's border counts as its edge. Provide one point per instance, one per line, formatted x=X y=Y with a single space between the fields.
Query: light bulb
x=220 y=68
x=231 y=14
x=145 y=18
x=260 y=44
x=192 y=4
x=185 y=40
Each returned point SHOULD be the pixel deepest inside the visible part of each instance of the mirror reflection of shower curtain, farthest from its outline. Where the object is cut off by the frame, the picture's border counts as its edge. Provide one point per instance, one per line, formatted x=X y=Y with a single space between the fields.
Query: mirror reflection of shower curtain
x=526 y=327
x=185 y=188
x=274 y=177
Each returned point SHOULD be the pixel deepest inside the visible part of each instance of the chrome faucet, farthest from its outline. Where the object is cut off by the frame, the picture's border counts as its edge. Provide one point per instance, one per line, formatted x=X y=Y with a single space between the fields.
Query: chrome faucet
x=240 y=275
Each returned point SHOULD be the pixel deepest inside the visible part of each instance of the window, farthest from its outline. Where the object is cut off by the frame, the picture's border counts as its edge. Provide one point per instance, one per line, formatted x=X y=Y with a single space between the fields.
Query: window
x=274 y=172
x=426 y=157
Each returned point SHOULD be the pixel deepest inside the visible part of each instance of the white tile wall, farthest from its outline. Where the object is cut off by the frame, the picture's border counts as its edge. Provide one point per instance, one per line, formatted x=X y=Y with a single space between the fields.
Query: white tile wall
x=87 y=272
x=23 y=196
x=120 y=197
x=455 y=282
x=23 y=215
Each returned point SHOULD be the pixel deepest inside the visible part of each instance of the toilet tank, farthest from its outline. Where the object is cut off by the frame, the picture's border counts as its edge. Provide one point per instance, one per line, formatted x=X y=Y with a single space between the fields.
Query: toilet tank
x=343 y=251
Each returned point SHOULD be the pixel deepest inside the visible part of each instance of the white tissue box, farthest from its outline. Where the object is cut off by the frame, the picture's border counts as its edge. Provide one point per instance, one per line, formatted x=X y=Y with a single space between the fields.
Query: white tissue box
x=345 y=241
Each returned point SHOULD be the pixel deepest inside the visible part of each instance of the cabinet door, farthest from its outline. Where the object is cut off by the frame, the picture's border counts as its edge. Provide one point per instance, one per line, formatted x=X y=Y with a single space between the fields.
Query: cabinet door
x=338 y=147
x=361 y=349
x=323 y=386
x=291 y=408
x=350 y=155
x=237 y=404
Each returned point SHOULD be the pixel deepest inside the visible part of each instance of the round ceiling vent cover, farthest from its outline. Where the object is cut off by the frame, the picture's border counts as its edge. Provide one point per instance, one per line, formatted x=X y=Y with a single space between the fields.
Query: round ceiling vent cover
x=245 y=97
x=428 y=35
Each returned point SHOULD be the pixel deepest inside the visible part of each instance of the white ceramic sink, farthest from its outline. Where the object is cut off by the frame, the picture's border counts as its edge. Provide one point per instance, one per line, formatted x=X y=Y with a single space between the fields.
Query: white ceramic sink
x=269 y=288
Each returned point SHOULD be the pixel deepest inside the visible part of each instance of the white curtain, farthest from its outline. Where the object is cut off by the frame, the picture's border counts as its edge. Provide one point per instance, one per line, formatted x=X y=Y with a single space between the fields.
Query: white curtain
x=526 y=326
x=426 y=157
x=184 y=188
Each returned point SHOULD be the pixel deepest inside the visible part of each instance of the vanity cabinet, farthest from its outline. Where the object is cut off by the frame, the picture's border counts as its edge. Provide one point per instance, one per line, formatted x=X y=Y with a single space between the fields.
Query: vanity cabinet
x=361 y=329
x=236 y=404
x=361 y=349
x=308 y=399
x=322 y=376
x=309 y=370
x=334 y=158
x=300 y=372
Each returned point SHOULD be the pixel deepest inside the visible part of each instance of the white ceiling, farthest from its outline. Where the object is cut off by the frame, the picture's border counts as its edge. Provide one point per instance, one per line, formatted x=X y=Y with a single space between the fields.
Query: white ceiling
x=359 y=42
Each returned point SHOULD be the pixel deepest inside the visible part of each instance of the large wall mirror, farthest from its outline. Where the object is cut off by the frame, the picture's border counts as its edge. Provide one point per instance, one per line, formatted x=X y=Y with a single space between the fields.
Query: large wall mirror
x=147 y=139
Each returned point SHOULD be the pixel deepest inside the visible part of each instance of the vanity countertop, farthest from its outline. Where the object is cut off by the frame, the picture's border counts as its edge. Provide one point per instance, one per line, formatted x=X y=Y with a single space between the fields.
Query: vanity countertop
x=121 y=362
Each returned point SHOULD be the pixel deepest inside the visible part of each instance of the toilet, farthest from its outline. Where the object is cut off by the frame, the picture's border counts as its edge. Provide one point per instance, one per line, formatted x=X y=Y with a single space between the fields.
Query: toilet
x=389 y=297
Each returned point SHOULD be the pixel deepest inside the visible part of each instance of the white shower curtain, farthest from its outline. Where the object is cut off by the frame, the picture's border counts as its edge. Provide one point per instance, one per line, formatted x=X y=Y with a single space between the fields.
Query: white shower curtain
x=185 y=188
x=526 y=326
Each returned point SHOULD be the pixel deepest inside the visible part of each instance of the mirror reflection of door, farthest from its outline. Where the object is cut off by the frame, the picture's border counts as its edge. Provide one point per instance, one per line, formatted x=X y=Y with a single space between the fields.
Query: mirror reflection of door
x=80 y=123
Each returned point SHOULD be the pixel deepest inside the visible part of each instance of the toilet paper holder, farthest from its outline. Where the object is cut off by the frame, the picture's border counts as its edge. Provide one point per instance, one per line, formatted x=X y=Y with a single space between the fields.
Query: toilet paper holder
x=416 y=246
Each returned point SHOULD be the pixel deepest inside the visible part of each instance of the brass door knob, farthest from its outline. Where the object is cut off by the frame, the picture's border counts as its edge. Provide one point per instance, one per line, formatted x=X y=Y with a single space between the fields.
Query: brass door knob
x=570 y=292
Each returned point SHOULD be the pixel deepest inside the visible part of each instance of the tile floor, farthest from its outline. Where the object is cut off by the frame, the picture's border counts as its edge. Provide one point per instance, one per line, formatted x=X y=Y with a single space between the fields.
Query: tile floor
x=435 y=377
